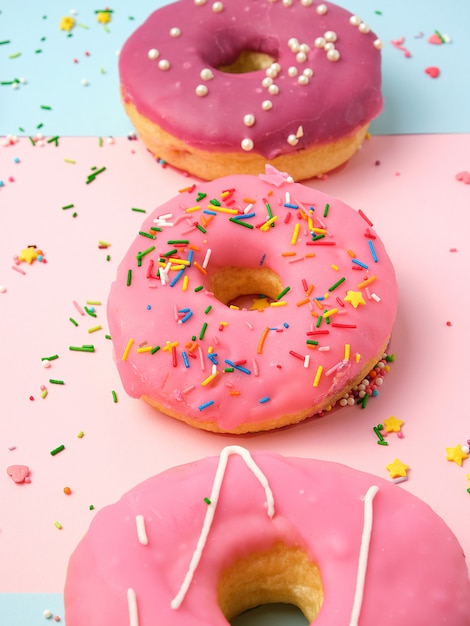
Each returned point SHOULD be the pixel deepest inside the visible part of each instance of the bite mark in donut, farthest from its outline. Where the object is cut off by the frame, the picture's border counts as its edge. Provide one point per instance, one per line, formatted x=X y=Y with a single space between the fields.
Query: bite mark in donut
x=289 y=83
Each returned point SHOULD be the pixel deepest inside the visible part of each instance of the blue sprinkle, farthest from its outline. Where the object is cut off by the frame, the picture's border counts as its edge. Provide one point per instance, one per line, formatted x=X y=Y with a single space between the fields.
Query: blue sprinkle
x=201 y=407
x=360 y=263
x=148 y=307
x=208 y=212
x=265 y=399
x=372 y=250
x=176 y=278
x=185 y=359
x=186 y=317
x=290 y=206
x=244 y=216
x=286 y=325
x=190 y=257
x=237 y=367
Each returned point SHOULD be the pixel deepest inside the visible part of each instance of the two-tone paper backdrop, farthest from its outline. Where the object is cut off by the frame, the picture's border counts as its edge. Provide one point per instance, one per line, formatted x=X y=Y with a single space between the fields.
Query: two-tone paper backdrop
x=65 y=85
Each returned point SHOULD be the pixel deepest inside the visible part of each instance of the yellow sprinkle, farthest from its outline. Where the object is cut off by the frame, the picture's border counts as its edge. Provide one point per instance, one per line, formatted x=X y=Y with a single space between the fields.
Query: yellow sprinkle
x=94 y=329
x=335 y=267
x=366 y=282
x=58 y=525
x=179 y=261
x=347 y=351
x=327 y=314
x=93 y=302
x=185 y=282
x=304 y=301
x=295 y=234
x=223 y=209
x=177 y=267
x=266 y=226
x=310 y=224
x=236 y=308
x=184 y=189
x=262 y=340
x=358 y=357
x=319 y=231
x=170 y=345
x=209 y=379
x=193 y=209
x=210 y=349
x=316 y=380
x=145 y=349
x=224 y=194
x=44 y=393
x=127 y=350
x=80 y=434
x=279 y=303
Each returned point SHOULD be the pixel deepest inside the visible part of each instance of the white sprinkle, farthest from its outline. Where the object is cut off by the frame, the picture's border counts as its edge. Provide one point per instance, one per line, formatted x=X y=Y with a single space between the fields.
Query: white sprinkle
x=164 y=64
x=202 y=90
x=266 y=105
x=206 y=258
x=333 y=55
x=292 y=140
x=141 y=532
x=292 y=71
x=267 y=82
x=218 y=7
x=273 y=90
x=355 y=20
x=378 y=43
x=247 y=144
x=47 y=614
x=322 y=9
x=199 y=3
x=364 y=28
x=330 y=35
x=306 y=3
x=248 y=119
x=132 y=607
x=153 y=54
x=206 y=74
x=300 y=57
x=303 y=80
x=46 y=363
x=306 y=361
x=175 y=32
x=320 y=42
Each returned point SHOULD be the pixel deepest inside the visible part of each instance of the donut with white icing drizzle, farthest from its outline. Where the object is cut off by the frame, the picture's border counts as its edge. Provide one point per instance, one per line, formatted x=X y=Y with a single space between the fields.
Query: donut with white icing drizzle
x=217 y=88
x=203 y=542
x=185 y=343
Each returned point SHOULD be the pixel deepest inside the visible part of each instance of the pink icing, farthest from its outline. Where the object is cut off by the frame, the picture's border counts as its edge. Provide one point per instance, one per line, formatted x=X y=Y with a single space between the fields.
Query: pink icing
x=276 y=363
x=332 y=99
x=415 y=572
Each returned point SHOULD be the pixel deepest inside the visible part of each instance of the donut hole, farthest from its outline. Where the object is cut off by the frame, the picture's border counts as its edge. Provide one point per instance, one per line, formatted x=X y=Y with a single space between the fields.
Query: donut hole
x=240 y=285
x=248 y=61
x=283 y=574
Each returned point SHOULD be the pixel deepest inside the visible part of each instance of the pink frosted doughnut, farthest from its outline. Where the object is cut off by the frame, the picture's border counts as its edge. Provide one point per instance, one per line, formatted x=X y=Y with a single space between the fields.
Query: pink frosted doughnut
x=218 y=88
x=201 y=543
x=181 y=343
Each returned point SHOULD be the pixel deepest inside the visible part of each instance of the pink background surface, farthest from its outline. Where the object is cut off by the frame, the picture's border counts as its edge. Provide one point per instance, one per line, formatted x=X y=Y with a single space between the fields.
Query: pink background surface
x=419 y=209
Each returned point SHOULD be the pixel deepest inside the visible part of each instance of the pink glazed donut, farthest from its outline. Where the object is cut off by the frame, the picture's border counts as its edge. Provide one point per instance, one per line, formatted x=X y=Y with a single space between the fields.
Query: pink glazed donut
x=223 y=87
x=203 y=542
x=189 y=336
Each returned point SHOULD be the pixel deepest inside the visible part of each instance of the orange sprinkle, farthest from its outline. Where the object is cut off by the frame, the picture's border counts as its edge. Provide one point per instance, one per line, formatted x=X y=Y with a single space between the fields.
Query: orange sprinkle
x=199 y=267
x=262 y=340
x=310 y=255
x=288 y=253
x=367 y=282
x=233 y=392
x=249 y=200
x=352 y=254
x=67 y=491
x=309 y=290
x=304 y=301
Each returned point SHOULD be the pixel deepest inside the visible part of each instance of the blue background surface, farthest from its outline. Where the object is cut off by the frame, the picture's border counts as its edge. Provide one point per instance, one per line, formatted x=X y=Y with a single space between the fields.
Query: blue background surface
x=414 y=102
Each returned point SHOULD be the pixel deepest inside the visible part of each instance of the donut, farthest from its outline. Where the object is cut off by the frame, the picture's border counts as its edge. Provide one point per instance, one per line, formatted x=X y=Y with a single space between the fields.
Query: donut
x=189 y=337
x=220 y=88
x=203 y=542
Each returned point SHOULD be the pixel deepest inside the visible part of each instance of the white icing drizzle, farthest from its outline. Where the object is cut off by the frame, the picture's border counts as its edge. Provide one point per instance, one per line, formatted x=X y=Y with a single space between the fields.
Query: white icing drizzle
x=211 y=508
x=141 y=532
x=363 y=555
x=132 y=606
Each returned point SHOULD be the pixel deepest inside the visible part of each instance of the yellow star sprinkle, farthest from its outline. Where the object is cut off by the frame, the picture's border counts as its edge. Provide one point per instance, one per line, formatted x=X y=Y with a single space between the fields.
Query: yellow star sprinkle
x=392 y=424
x=28 y=254
x=355 y=298
x=67 y=23
x=456 y=454
x=397 y=468
x=104 y=17
x=259 y=303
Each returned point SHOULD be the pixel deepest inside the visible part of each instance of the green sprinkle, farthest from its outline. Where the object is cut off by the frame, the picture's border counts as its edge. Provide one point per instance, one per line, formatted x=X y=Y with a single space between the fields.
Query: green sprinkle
x=201 y=228
x=229 y=370
x=129 y=277
x=319 y=321
x=170 y=252
x=311 y=342
x=327 y=208
x=58 y=524
x=200 y=196
x=32 y=141
x=141 y=254
x=317 y=237
x=15 y=55
x=203 y=331
x=198 y=288
x=337 y=284
x=89 y=312
x=57 y=450
x=245 y=224
x=155 y=229
x=39 y=126
x=390 y=358
x=207 y=501
x=114 y=396
x=364 y=401
x=84 y=348
x=67 y=206
x=70 y=161
x=144 y=234
x=75 y=323
x=268 y=208
x=156 y=349
x=138 y=210
x=91 y=177
x=208 y=309
x=46 y=107
x=2 y=43
x=214 y=202
x=173 y=242
x=54 y=381
x=91 y=507
x=283 y=293
x=54 y=140
x=50 y=358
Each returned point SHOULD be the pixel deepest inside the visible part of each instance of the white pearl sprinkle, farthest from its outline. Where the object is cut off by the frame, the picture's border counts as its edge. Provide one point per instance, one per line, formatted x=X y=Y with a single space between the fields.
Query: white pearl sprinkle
x=333 y=55
x=378 y=43
x=273 y=90
x=164 y=65
x=300 y=57
x=266 y=105
x=266 y=82
x=292 y=140
x=153 y=54
x=293 y=44
x=201 y=90
x=175 y=32
x=304 y=47
x=355 y=20
x=249 y=119
x=329 y=46
x=320 y=42
x=84 y=82
x=292 y=71
x=46 y=363
x=322 y=9
x=364 y=28
x=206 y=74
x=287 y=3
x=306 y=3
x=47 y=614
x=199 y=3
x=247 y=144
x=330 y=35
x=303 y=80
x=218 y=7
x=308 y=72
